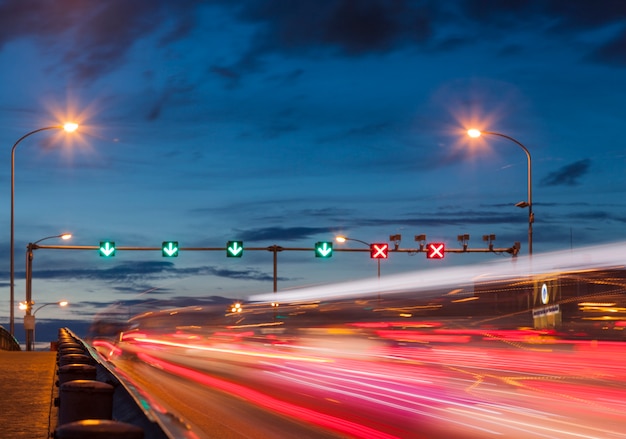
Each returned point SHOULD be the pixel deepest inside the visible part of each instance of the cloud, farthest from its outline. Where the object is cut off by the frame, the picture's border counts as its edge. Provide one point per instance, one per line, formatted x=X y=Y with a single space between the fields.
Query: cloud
x=444 y=217
x=141 y=273
x=573 y=16
x=355 y=28
x=246 y=274
x=352 y=27
x=120 y=272
x=596 y=216
x=364 y=131
x=579 y=15
x=281 y=233
x=93 y=38
x=557 y=19
x=349 y=28
x=174 y=301
x=568 y=175
x=144 y=290
x=612 y=52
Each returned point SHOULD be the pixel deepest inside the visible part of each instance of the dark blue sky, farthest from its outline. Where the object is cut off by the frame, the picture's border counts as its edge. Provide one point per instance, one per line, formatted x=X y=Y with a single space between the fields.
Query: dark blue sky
x=287 y=122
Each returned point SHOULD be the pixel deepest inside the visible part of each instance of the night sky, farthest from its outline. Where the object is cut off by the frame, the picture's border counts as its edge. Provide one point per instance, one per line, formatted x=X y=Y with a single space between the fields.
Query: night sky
x=289 y=122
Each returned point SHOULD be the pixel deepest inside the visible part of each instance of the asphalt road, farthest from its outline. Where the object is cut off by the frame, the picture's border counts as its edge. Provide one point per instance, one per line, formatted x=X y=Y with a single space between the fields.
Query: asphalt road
x=212 y=413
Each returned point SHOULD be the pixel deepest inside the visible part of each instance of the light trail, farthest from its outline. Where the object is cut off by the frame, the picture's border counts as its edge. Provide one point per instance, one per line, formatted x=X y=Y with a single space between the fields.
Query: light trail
x=602 y=256
x=247 y=353
x=487 y=389
x=331 y=422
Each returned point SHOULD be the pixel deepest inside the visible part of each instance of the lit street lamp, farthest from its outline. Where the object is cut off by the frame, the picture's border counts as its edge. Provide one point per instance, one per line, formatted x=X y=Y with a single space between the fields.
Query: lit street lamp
x=29 y=324
x=529 y=203
x=30 y=345
x=68 y=127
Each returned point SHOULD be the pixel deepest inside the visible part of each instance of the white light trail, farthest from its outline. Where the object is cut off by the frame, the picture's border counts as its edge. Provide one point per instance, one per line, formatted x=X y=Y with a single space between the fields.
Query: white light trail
x=594 y=257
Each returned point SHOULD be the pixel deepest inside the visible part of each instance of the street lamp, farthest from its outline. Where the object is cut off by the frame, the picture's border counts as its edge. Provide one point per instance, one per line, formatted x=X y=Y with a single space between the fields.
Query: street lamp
x=29 y=323
x=529 y=203
x=68 y=127
x=341 y=239
x=30 y=345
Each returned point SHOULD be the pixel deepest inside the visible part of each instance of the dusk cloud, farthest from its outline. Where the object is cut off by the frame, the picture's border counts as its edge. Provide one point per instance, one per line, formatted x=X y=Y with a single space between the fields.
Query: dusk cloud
x=143 y=272
x=281 y=233
x=95 y=38
x=613 y=52
x=568 y=175
x=363 y=27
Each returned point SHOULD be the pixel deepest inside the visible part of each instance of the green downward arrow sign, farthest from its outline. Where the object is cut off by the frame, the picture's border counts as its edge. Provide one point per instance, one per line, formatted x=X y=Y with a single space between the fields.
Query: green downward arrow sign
x=170 y=249
x=107 y=249
x=323 y=249
x=234 y=249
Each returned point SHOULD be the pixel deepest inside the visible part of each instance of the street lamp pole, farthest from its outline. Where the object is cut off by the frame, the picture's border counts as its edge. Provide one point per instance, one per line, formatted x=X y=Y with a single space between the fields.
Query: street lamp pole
x=69 y=127
x=529 y=203
x=29 y=321
x=61 y=303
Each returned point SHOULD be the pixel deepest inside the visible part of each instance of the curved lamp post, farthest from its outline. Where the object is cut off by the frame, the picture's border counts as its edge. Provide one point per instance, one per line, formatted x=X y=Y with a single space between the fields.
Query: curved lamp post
x=529 y=203
x=68 y=127
x=29 y=323
x=343 y=239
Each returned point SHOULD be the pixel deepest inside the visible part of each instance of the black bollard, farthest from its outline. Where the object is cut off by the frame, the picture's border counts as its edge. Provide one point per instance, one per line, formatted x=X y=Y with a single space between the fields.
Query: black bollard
x=77 y=371
x=75 y=359
x=98 y=429
x=85 y=399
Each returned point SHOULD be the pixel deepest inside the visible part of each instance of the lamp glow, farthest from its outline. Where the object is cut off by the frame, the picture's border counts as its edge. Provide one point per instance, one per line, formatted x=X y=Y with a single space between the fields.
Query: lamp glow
x=473 y=132
x=70 y=127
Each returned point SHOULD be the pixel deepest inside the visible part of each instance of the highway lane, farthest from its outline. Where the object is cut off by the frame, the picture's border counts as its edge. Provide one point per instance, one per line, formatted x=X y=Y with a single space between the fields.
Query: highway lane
x=357 y=386
x=211 y=413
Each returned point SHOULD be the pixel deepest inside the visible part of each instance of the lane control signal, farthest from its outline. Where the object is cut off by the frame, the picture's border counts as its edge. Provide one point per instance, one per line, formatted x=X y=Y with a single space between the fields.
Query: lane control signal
x=234 y=249
x=435 y=250
x=107 y=249
x=323 y=249
x=169 y=249
x=379 y=251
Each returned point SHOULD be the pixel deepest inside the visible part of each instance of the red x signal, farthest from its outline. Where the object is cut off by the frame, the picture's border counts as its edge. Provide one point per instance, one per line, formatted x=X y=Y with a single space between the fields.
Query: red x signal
x=379 y=251
x=435 y=250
